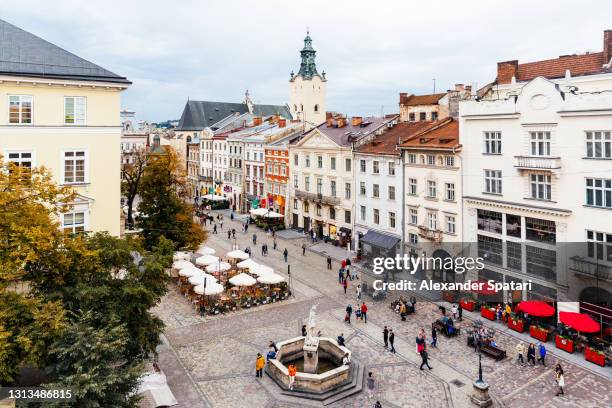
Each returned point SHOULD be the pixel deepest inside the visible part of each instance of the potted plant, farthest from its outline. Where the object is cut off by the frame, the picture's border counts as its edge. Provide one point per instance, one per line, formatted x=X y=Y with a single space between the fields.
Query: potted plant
x=487 y=312
x=539 y=332
x=595 y=356
x=564 y=343
x=467 y=304
x=516 y=323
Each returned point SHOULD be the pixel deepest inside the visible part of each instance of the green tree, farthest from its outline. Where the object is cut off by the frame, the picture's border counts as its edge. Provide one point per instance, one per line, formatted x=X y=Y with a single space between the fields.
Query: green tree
x=163 y=207
x=130 y=184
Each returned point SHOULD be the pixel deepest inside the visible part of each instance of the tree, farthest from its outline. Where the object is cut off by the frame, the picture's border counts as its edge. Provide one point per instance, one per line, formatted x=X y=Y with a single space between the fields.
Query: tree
x=131 y=175
x=90 y=359
x=163 y=207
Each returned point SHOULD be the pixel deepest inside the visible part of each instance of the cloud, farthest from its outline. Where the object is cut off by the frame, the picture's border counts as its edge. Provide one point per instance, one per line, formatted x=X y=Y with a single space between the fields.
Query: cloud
x=370 y=50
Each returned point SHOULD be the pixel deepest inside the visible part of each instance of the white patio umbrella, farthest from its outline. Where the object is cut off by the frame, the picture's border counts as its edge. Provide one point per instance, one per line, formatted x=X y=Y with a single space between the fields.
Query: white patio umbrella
x=258 y=211
x=237 y=254
x=199 y=279
x=218 y=267
x=205 y=260
x=181 y=264
x=248 y=263
x=261 y=270
x=272 y=214
x=270 y=278
x=242 y=279
x=211 y=289
x=181 y=255
x=205 y=250
x=190 y=271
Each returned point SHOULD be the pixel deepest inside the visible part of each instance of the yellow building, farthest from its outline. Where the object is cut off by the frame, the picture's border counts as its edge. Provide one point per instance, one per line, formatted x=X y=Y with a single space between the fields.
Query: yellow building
x=60 y=111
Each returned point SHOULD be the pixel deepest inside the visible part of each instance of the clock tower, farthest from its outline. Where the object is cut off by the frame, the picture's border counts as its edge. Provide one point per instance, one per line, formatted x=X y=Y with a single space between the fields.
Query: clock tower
x=307 y=89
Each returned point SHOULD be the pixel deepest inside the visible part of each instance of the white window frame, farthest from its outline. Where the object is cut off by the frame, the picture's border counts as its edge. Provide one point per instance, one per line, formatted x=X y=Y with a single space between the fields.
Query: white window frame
x=8 y=111
x=540 y=143
x=449 y=161
x=412 y=158
x=605 y=190
x=412 y=186
x=493 y=181
x=332 y=163
x=391 y=193
x=73 y=212
x=413 y=216
x=363 y=212
x=362 y=166
x=540 y=186
x=451 y=224
x=432 y=220
x=83 y=120
x=363 y=190
x=392 y=220
x=376 y=216
x=375 y=167
x=20 y=160
x=413 y=238
x=492 y=142
x=601 y=139
x=450 y=191
x=375 y=191
x=86 y=165
x=432 y=189
x=391 y=168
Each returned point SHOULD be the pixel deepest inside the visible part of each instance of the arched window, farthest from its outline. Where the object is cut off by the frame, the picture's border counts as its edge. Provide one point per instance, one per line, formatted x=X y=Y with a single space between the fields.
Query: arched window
x=295 y=108
x=316 y=108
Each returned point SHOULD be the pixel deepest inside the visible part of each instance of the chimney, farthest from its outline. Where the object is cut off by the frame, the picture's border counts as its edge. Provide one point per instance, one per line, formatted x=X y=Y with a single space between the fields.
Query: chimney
x=341 y=122
x=281 y=122
x=607 y=48
x=403 y=97
x=459 y=87
x=468 y=89
x=506 y=71
x=257 y=120
x=356 y=120
x=330 y=122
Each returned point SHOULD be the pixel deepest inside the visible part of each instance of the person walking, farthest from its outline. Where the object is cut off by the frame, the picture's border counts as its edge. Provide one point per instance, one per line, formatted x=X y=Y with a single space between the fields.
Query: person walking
x=560 y=378
x=292 y=372
x=221 y=223
x=531 y=354
x=215 y=229
x=349 y=312
x=520 y=349
x=402 y=311
x=340 y=275
x=341 y=340
x=345 y=285
x=263 y=249
x=460 y=312
x=259 y=365
x=434 y=337
x=370 y=384
x=454 y=311
x=377 y=404
x=542 y=353
x=304 y=249
x=391 y=340
x=358 y=291
x=234 y=233
x=274 y=244
x=386 y=336
x=254 y=239
x=304 y=330
x=285 y=254
x=424 y=359
x=329 y=262
x=364 y=312
x=229 y=234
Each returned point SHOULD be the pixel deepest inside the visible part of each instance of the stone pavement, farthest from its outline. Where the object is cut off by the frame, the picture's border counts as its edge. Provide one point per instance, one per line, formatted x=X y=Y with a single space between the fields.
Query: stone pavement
x=209 y=361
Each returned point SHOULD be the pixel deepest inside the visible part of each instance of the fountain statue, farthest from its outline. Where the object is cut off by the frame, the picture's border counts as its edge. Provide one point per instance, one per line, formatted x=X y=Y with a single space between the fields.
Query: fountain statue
x=311 y=344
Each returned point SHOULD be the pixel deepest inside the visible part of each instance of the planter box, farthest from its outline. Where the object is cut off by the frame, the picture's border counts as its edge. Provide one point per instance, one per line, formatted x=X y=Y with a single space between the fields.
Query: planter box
x=538 y=333
x=516 y=324
x=564 y=344
x=487 y=313
x=594 y=357
x=468 y=305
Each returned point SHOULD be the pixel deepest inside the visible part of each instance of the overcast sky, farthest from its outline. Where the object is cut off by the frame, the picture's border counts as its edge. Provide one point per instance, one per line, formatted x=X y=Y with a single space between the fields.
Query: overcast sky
x=370 y=50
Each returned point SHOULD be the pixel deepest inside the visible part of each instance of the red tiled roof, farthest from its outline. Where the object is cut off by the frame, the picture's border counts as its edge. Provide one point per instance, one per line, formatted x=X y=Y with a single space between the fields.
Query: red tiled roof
x=555 y=68
x=443 y=134
x=416 y=100
x=387 y=142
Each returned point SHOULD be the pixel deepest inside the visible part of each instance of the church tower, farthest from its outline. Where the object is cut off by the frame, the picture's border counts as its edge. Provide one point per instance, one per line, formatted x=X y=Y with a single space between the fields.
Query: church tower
x=307 y=89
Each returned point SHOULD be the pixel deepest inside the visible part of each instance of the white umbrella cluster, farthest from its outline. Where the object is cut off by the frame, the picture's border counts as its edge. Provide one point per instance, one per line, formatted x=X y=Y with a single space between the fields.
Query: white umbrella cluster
x=199 y=279
x=189 y=271
x=205 y=260
x=218 y=267
x=181 y=255
x=212 y=288
x=181 y=264
x=247 y=264
x=270 y=279
x=237 y=254
x=242 y=279
x=261 y=270
x=205 y=250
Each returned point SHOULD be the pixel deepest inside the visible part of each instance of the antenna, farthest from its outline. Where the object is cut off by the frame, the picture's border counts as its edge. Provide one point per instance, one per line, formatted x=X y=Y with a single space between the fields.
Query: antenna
x=434 y=85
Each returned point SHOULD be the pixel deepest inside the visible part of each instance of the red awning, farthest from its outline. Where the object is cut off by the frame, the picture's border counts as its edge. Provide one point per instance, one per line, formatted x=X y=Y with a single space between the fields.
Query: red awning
x=579 y=321
x=536 y=308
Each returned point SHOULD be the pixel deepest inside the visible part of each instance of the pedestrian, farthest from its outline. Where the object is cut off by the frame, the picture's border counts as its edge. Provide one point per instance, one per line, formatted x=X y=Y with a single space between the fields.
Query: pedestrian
x=520 y=349
x=402 y=311
x=542 y=352
x=285 y=254
x=424 y=358
x=531 y=354
x=303 y=249
x=386 y=336
x=263 y=249
x=304 y=330
x=234 y=233
x=454 y=311
x=343 y=264
x=221 y=223
x=364 y=312
x=229 y=234
x=358 y=291
x=420 y=341
x=254 y=239
x=340 y=275
x=377 y=404
x=345 y=285
x=559 y=377
x=349 y=312
x=329 y=262
x=274 y=244
x=391 y=340
x=341 y=339
x=460 y=311
x=434 y=337
x=259 y=365
x=232 y=216
x=246 y=228
x=292 y=372
x=370 y=385
x=272 y=345
x=353 y=273
x=215 y=229
x=346 y=360
x=273 y=232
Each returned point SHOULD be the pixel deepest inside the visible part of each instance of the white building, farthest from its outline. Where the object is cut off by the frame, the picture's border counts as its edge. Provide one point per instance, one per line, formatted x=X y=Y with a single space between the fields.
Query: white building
x=537 y=172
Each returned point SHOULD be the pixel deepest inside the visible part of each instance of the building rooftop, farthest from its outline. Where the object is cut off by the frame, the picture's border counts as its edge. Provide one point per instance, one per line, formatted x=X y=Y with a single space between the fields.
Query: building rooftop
x=345 y=131
x=440 y=135
x=386 y=144
x=418 y=100
x=24 y=54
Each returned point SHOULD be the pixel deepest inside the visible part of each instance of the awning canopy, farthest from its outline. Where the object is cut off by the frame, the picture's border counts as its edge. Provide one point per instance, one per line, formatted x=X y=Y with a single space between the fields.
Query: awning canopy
x=380 y=240
x=536 y=308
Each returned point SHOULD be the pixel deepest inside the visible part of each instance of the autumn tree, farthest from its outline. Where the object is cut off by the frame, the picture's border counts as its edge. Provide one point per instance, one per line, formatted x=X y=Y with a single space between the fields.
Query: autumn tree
x=132 y=173
x=163 y=208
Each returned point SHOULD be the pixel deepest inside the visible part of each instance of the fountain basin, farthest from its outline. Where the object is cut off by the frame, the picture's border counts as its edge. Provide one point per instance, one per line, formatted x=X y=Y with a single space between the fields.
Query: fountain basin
x=331 y=373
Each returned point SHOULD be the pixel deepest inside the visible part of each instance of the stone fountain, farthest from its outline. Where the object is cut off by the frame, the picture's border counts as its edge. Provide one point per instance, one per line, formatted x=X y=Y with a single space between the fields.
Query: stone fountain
x=321 y=375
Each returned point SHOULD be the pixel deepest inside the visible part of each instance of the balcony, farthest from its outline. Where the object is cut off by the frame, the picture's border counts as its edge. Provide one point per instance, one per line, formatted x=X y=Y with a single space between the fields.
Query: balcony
x=430 y=234
x=589 y=267
x=552 y=164
x=317 y=198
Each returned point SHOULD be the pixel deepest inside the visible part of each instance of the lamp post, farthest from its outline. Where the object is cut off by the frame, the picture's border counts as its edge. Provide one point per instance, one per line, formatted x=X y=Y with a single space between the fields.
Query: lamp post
x=480 y=395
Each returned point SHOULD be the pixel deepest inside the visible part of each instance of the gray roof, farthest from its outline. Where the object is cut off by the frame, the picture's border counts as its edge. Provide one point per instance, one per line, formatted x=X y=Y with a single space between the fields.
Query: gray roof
x=24 y=54
x=198 y=115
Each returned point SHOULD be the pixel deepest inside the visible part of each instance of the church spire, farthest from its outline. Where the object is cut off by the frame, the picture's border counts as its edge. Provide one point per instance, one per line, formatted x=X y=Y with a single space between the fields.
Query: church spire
x=308 y=67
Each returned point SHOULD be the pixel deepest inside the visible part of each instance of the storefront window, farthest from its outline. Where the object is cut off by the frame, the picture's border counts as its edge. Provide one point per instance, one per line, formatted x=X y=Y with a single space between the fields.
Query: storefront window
x=540 y=230
x=490 y=249
x=490 y=221
x=513 y=225
x=542 y=263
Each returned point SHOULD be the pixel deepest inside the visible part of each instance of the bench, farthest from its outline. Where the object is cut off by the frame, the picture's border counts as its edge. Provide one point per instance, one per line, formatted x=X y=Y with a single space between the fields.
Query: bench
x=496 y=353
x=442 y=328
